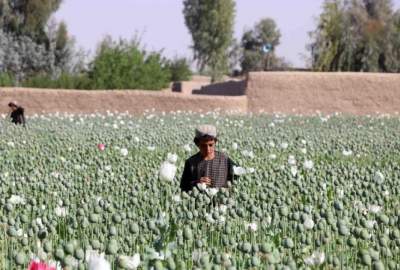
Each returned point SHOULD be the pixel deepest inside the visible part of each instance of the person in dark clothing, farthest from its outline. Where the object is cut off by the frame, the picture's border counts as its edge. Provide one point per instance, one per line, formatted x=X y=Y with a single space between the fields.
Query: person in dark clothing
x=208 y=166
x=17 y=113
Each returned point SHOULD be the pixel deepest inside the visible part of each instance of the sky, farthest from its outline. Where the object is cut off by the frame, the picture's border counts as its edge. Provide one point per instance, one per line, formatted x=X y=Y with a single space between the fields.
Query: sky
x=160 y=23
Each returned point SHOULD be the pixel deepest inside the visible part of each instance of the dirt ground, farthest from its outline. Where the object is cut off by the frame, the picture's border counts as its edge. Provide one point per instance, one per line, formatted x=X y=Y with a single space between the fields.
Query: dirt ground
x=270 y=92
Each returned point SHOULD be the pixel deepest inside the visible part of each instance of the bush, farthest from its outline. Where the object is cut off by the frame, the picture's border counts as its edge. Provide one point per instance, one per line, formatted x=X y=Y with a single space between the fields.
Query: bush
x=125 y=66
x=65 y=81
x=6 y=80
x=180 y=69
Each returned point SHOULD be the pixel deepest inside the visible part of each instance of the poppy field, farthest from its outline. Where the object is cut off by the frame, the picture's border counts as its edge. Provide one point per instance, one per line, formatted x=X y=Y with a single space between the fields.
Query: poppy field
x=101 y=191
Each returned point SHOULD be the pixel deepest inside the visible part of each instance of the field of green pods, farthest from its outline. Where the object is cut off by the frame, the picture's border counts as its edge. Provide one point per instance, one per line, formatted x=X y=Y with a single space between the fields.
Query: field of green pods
x=102 y=192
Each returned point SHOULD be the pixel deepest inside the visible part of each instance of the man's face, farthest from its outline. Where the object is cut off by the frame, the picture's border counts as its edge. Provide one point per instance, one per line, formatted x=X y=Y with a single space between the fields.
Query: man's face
x=207 y=147
x=13 y=108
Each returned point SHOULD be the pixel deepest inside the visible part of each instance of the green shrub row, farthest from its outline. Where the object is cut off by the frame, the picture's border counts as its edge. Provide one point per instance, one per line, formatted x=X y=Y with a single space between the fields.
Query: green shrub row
x=121 y=65
x=6 y=79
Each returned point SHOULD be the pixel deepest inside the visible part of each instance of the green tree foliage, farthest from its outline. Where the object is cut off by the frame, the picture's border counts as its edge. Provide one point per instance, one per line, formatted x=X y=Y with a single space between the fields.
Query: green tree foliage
x=180 y=69
x=27 y=17
x=64 y=81
x=210 y=23
x=393 y=63
x=357 y=35
x=6 y=80
x=123 y=65
x=254 y=58
x=116 y=65
x=32 y=45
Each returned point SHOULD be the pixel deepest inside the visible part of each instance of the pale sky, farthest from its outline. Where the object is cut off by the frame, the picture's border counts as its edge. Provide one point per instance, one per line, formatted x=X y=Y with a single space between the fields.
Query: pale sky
x=161 y=24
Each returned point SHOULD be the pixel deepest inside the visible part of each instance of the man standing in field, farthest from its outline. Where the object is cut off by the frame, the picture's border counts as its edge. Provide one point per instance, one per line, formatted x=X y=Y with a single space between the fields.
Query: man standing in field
x=208 y=166
x=16 y=113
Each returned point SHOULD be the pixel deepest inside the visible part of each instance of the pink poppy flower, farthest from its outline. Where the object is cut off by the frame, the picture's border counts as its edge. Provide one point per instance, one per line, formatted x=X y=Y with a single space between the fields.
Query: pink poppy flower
x=101 y=146
x=34 y=265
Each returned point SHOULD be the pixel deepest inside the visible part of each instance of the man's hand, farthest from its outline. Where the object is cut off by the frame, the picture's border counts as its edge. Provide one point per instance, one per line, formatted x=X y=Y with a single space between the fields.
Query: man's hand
x=205 y=180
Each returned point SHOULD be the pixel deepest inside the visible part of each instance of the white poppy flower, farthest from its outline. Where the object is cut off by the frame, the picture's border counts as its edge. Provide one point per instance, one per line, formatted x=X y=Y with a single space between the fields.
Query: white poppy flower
x=317 y=258
x=176 y=198
x=198 y=254
x=130 y=263
x=19 y=233
x=55 y=264
x=187 y=148
x=284 y=145
x=124 y=152
x=303 y=151
x=167 y=171
x=268 y=220
x=370 y=224
x=172 y=158
x=272 y=156
x=223 y=208
x=97 y=261
x=221 y=219
x=324 y=119
x=347 y=153
x=308 y=223
x=39 y=222
x=379 y=178
x=235 y=146
x=293 y=170
x=212 y=191
x=252 y=226
x=16 y=199
x=11 y=144
x=239 y=170
x=61 y=211
x=250 y=170
x=374 y=208
x=271 y=144
x=292 y=160
x=55 y=174
x=308 y=164
x=248 y=153
x=202 y=186
x=151 y=148
x=136 y=139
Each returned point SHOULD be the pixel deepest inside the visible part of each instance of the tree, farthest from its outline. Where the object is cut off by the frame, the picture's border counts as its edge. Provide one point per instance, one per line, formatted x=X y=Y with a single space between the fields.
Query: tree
x=180 y=69
x=124 y=65
x=35 y=45
x=210 y=23
x=357 y=35
x=255 y=58
x=27 y=17
x=329 y=37
x=394 y=61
